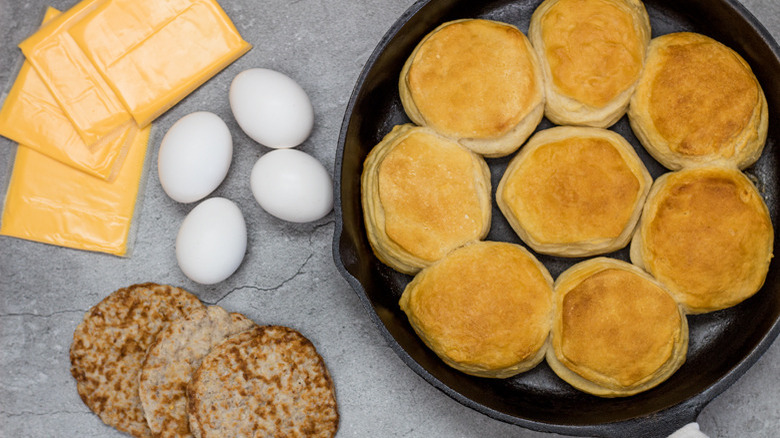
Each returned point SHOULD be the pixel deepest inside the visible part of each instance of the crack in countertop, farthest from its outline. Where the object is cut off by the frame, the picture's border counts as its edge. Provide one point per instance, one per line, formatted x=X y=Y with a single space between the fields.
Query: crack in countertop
x=42 y=414
x=40 y=315
x=264 y=289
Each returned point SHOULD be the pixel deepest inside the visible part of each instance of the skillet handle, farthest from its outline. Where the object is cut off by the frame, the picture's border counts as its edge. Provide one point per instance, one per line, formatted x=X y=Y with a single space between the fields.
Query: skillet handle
x=663 y=424
x=690 y=430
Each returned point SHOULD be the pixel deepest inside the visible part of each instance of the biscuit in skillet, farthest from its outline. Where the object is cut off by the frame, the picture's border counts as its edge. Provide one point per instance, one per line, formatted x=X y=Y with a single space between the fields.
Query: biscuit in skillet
x=706 y=234
x=485 y=309
x=574 y=191
x=423 y=195
x=616 y=330
x=476 y=81
x=698 y=103
x=592 y=53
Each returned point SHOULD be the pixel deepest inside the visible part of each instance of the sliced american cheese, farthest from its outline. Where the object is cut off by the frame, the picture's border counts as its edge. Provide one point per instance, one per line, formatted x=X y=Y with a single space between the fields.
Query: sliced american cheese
x=31 y=116
x=84 y=96
x=52 y=203
x=153 y=53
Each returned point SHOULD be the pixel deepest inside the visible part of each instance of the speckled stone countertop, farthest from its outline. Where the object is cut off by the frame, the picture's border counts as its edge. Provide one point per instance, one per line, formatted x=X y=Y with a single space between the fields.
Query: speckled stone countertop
x=288 y=276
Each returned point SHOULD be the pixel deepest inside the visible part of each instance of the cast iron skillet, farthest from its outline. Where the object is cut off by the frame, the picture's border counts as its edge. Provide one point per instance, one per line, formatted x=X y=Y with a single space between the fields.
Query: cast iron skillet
x=723 y=345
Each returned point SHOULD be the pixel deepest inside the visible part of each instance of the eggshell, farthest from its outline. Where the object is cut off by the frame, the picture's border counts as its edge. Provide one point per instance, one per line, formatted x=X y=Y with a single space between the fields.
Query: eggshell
x=194 y=156
x=271 y=108
x=292 y=186
x=211 y=242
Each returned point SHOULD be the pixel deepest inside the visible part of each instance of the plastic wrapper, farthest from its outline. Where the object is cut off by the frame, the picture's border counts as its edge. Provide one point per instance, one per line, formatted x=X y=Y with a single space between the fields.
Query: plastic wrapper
x=153 y=53
x=81 y=92
x=52 y=203
x=31 y=116
x=70 y=111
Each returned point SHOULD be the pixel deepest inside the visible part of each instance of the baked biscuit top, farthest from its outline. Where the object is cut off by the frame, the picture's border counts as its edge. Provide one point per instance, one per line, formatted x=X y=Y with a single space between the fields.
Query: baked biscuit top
x=428 y=192
x=698 y=103
x=473 y=79
x=574 y=191
x=706 y=234
x=593 y=49
x=619 y=326
x=484 y=308
x=702 y=96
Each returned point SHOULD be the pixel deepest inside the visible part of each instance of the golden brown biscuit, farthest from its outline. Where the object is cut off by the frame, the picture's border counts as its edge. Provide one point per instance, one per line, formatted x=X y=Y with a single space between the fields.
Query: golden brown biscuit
x=592 y=53
x=574 y=191
x=423 y=196
x=698 y=103
x=476 y=81
x=484 y=309
x=616 y=330
x=706 y=234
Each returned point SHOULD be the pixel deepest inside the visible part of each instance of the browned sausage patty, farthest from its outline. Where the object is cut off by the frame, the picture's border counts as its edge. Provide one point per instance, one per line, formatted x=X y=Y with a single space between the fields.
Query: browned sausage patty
x=109 y=346
x=265 y=382
x=171 y=360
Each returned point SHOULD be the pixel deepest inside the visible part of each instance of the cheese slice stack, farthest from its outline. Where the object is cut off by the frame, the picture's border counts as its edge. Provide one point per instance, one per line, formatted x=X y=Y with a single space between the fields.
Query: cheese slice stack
x=50 y=202
x=107 y=62
x=33 y=117
x=152 y=53
x=94 y=78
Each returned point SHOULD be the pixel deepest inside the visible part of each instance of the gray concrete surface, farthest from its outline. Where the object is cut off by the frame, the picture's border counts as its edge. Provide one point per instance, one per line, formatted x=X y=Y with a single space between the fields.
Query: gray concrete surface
x=288 y=276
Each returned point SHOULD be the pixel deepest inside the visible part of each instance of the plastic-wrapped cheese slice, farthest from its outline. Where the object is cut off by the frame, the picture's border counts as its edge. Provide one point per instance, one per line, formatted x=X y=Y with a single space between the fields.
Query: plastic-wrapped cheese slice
x=31 y=116
x=85 y=98
x=154 y=53
x=50 y=202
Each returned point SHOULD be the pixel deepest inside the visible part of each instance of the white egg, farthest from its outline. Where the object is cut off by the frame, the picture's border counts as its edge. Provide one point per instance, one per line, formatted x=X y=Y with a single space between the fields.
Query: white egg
x=292 y=186
x=194 y=156
x=271 y=108
x=211 y=242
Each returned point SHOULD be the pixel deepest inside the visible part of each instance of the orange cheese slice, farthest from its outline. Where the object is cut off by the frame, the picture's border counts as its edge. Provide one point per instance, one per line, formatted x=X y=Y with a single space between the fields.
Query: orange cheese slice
x=50 y=202
x=84 y=96
x=153 y=53
x=31 y=116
